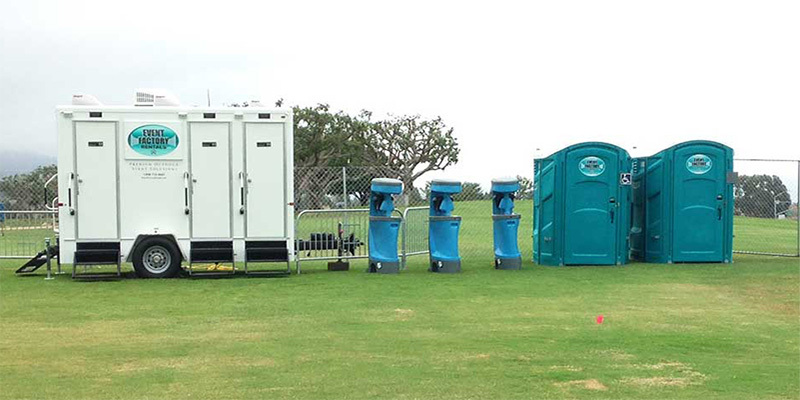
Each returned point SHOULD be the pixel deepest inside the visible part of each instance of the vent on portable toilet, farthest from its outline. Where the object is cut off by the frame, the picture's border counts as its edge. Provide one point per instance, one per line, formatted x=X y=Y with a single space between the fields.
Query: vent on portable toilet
x=82 y=99
x=155 y=98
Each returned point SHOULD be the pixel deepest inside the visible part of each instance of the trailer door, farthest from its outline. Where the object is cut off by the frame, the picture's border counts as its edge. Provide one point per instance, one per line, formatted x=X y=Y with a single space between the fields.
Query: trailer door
x=96 y=180
x=266 y=186
x=211 y=180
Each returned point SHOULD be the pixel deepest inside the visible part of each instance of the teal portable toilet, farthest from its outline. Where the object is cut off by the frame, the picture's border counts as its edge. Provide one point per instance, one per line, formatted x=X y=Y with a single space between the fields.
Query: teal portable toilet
x=581 y=201
x=685 y=198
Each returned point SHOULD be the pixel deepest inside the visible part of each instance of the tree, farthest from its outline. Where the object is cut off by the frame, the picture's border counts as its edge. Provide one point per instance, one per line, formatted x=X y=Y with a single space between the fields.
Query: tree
x=761 y=196
x=410 y=145
x=323 y=139
x=525 y=191
x=326 y=139
x=471 y=191
x=26 y=191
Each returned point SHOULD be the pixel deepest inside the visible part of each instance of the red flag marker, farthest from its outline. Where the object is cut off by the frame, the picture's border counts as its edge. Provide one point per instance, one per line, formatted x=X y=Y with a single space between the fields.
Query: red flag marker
x=600 y=319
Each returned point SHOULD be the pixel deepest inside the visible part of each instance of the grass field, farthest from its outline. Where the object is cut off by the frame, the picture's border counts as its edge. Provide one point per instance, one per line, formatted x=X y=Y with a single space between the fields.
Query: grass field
x=670 y=331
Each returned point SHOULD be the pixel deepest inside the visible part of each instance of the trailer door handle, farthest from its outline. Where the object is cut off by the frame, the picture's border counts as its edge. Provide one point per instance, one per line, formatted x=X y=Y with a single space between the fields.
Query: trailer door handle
x=719 y=213
x=69 y=193
x=612 y=215
x=241 y=193
x=186 y=193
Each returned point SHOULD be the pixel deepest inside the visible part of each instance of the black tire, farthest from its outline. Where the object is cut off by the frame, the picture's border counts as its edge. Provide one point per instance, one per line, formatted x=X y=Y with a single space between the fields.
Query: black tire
x=156 y=257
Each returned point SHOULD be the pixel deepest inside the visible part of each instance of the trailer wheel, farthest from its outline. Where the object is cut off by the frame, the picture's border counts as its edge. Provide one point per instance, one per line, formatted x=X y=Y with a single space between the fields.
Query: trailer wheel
x=156 y=257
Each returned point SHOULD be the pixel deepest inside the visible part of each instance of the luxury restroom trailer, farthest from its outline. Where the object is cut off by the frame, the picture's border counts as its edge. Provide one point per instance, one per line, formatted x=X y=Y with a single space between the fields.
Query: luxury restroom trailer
x=161 y=185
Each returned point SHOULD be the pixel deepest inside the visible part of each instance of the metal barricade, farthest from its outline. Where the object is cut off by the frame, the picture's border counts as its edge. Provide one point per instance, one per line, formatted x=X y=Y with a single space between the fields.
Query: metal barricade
x=22 y=232
x=414 y=233
x=335 y=234
x=342 y=234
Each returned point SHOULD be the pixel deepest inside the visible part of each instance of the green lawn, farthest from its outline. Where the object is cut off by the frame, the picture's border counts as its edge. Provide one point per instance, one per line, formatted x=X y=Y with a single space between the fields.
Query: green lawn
x=670 y=331
x=765 y=235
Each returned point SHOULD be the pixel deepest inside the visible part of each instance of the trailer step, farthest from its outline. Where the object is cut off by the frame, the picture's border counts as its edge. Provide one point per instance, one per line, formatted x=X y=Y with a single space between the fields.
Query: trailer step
x=267 y=273
x=97 y=253
x=210 y=274
x=266 y=251
x=37 y=261
x=97 y=276
x=33 y=264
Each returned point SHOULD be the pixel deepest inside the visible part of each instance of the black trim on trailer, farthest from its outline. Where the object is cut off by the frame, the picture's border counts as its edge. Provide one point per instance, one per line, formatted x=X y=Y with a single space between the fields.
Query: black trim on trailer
x=212 y=251
x=266 y=251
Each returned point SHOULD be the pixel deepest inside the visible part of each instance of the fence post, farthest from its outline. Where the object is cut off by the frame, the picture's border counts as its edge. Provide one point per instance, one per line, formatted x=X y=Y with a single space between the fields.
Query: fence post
x=403 y=238
x=47 y=255
x=344 y=186
x=797 y=210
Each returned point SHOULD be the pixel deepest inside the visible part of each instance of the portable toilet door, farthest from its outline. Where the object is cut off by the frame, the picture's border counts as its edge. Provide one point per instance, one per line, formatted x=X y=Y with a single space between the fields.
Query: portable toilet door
x=582 y=206
x=638 y=214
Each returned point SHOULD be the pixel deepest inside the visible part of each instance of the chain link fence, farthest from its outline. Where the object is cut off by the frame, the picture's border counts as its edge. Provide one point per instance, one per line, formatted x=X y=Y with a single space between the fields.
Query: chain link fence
x=766 y=214
x=27 y=212
x=765 y=207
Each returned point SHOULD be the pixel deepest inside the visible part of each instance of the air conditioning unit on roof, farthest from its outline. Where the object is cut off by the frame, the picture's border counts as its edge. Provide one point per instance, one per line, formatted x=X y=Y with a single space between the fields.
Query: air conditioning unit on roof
x=155 y=98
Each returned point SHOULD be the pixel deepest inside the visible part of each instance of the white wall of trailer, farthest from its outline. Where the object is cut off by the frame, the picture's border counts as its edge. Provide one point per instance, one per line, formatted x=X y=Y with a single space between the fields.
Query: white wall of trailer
x=211 y=174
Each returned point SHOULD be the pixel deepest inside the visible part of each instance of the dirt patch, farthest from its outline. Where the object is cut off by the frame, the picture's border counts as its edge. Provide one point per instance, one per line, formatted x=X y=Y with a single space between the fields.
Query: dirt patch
x=148 y=364
x=616 y=355
x=569 y=368
x=591 y=384
x=662 y=365
x=657 y=381
x=685 y=375
x=403 y=314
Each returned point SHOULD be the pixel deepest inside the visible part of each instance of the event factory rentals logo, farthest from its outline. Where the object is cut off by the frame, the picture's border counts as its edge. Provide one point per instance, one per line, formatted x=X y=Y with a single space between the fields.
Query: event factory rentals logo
x=698 y=164
x=153 y=140
x=592 y=166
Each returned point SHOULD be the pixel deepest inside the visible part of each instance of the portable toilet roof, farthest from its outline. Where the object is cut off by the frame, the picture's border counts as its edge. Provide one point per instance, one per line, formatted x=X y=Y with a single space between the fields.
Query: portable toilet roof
x=683 y=204
x=582 y=206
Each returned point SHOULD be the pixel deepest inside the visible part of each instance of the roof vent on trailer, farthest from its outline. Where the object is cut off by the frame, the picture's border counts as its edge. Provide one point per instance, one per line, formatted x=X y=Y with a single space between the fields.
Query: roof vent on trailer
x=155 y=98
x=82 y=99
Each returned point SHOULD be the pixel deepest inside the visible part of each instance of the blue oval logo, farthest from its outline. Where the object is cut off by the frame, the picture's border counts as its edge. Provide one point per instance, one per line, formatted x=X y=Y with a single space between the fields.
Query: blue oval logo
x=592 y=166
x=698 y=164
x=153 y=140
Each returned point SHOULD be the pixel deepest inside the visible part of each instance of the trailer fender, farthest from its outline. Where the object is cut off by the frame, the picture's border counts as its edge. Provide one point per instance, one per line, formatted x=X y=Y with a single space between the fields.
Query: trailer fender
x=169 y=237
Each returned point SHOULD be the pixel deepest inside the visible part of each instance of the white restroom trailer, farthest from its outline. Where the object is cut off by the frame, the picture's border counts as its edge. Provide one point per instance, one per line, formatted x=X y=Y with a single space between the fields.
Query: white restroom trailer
x=165 y=186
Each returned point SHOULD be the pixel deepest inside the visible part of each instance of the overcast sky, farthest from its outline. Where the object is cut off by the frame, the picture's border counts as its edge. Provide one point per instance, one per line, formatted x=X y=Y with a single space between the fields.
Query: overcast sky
x=510 y=78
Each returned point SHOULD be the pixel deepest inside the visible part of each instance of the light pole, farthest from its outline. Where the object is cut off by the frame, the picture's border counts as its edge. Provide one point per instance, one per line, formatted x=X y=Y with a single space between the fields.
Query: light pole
x=775 y=203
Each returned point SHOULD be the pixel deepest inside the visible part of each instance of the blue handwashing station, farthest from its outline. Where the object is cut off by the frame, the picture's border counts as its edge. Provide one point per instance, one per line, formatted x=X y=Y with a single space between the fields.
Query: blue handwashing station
x=506 y=224
x=383 y=227
x=443 y=227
